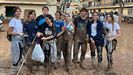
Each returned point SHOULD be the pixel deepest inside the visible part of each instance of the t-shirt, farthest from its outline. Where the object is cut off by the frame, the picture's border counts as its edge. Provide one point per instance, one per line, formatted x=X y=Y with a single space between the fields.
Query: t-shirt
x=94 y=29
x=42 y=23
x=49 y=31
x=80 y=29
x=58 y=24
x=112 y=30
x=17 y=25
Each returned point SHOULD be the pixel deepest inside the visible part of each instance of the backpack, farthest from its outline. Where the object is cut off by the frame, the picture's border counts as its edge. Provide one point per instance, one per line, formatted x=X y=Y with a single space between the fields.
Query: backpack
x=9 y=37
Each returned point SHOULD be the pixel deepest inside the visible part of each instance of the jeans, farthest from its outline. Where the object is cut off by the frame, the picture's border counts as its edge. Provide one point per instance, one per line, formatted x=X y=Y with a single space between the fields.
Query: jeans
x=53 y=50
x=67 y=47
x=110 y=47
x=59 y=47
x=99 y=53
x=76 y=50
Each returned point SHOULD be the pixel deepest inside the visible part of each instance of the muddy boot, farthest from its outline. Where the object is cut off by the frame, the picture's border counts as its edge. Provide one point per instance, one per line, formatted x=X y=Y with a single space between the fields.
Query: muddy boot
x=81 y=65
x=13 y=70
x=108 y=67
x=111 y=62
x=93 y=62
x=99 y=66
x=56 y=66
x=75 y=65
x=69 y=70
x=36 y=68
x=31 y=70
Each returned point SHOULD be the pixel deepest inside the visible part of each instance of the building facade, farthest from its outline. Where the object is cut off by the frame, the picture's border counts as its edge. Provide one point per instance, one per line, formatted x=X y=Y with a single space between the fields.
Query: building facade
x=108 y=6
x=7 y=6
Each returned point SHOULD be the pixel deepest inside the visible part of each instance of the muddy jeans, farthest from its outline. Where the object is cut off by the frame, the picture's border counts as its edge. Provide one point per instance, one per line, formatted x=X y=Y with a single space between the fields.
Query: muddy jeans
x=67 y=47
x=16 y=49
x=53 y=50
x=29 y=61
x=99 y=53
x=76 y=51
x=59 y=47
x=110 y=46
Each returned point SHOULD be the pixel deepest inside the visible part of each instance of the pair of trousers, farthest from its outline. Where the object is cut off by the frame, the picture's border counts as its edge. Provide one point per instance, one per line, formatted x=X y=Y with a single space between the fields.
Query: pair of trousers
x=99 y=53
x=16 y=49
x=53 y=50
x=59 y=47
x=77 y=45
x=110 y=47
x=67 y=51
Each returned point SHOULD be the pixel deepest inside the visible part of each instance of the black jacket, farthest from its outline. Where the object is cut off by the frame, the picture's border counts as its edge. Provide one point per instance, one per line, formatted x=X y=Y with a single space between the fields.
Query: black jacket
x=99 y=39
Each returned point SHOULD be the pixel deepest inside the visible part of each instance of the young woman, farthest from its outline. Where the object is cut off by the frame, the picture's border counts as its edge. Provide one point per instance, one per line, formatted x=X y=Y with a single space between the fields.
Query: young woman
x=67 y=42
x=48 y=34
x=16 y=30
x=30 y=29
x=112 y=30
x=59 y=26
x=95 y=32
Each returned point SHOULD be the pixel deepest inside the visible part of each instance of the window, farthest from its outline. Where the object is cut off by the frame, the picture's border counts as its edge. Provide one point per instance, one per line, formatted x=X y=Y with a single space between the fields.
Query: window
x=9 y=11
x=130 y=11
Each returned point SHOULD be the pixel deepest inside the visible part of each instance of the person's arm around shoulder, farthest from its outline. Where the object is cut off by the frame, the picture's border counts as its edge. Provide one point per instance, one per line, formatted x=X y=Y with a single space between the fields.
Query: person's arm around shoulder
x=62 y=29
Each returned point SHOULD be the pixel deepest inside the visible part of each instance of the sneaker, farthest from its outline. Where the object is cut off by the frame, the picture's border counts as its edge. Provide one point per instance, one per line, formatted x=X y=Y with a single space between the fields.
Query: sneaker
x=81 y=65
x=69 y=70
x=108 y=68
x=93 y=60
x=13 y=70
x=99 y=67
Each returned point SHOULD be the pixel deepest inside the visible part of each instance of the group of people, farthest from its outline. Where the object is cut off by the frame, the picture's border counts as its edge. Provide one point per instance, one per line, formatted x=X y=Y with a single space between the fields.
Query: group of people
x=62 y=32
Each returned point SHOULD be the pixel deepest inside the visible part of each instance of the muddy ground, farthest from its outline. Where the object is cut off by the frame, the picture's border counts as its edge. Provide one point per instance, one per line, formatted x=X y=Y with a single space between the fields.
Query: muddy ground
x=123 y=58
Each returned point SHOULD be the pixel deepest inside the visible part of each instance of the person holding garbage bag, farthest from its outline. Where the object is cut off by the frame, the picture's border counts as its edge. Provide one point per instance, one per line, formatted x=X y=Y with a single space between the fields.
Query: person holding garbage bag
x=47 y=34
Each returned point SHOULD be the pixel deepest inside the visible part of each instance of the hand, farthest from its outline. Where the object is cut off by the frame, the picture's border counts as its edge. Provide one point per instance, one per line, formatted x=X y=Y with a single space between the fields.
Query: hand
x=21 y=34
x=39 y=34
x=48 y=21
x=110 y=39
x=92 y=41
x=44 y=38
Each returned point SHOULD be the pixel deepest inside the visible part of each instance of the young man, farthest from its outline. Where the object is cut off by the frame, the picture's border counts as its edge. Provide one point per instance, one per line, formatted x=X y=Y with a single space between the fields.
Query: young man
x=80 y=37
x=42 y=18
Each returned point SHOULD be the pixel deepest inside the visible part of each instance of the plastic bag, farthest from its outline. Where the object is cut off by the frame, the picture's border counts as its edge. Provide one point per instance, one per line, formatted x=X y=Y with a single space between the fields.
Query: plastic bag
x=38 y=54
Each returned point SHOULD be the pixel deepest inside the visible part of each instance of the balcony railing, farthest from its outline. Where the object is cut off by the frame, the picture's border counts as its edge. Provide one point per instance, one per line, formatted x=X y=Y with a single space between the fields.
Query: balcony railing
x=108 y=4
